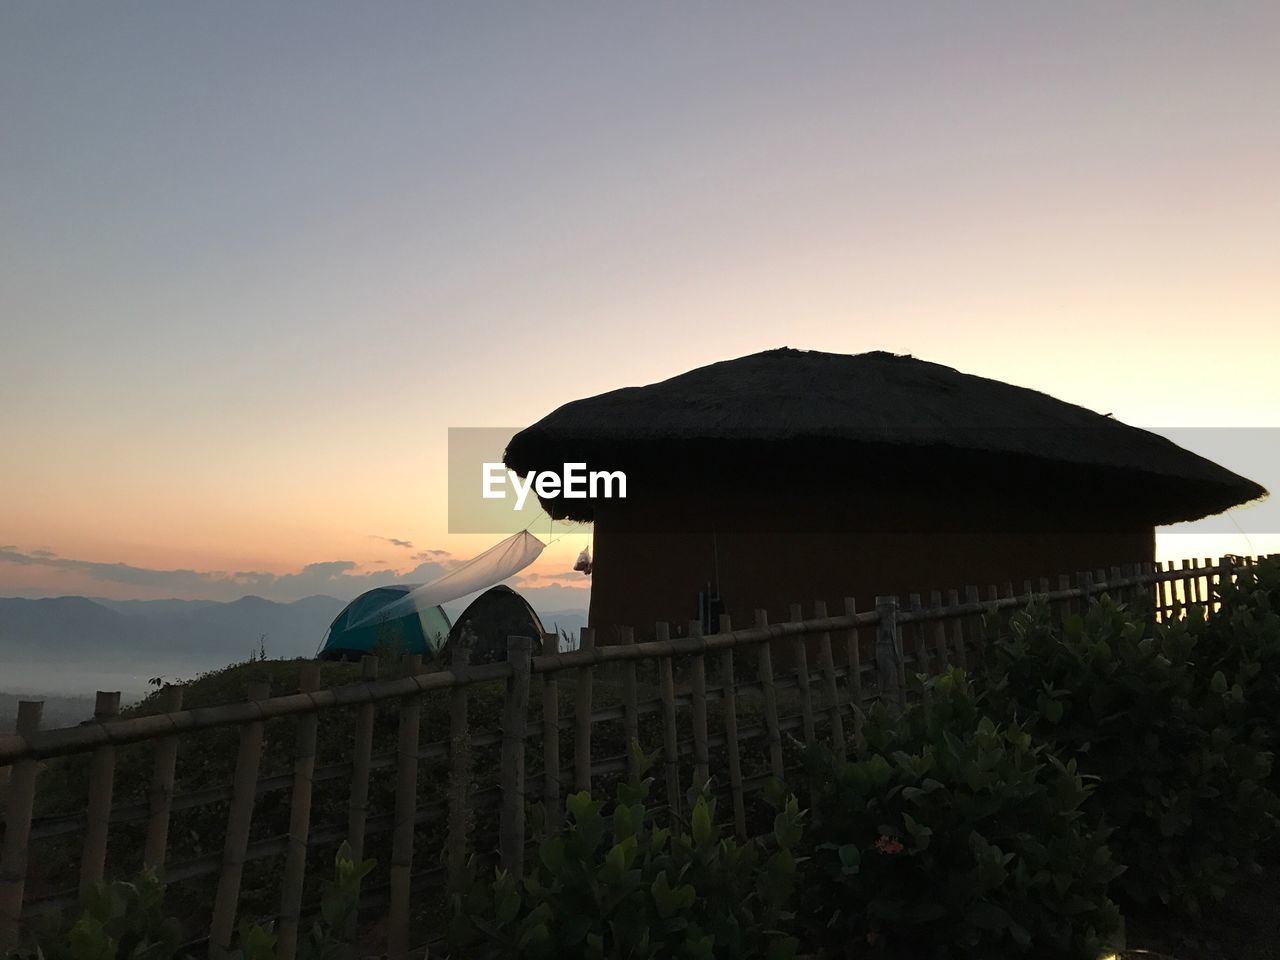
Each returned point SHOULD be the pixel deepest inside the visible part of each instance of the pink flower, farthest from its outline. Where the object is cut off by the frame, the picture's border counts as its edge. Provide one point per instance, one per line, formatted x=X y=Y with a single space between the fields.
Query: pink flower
x=888 y=845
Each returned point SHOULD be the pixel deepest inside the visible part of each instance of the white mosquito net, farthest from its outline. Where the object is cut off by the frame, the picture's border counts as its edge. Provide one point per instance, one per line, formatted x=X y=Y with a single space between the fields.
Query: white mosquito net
x=496 y=564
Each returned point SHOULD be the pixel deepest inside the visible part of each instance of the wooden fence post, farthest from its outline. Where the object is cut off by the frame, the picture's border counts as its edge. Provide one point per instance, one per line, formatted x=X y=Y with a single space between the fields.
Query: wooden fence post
x=923 y=667
x=406 y=814
x=888 y=660
x=831 y=691
x=729 y=701
x=973 y=622
x=765 y=668
x=958 y=631
x=698 y=709
x=630 y=702
x=239 y=819
x=853 y=654
x=459 y=817
x=102 y=772
x=514 y=728
x=160 y=799
x=295 y=864
x=551 y=742
x=800 y=650
x=940 y=632
x=17 y=831
x=582 y=717
x=361 y=760
x=670 y=744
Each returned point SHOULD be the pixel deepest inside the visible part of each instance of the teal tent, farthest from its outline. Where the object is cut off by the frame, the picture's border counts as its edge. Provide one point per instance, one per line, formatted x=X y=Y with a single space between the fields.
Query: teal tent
x=360 y=629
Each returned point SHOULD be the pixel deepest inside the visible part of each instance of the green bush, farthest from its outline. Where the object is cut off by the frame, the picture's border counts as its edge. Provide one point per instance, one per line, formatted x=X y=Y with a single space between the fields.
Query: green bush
x=1242 y=642
x=126 y=920
x=950 y=837
x=1179 y=764
x=622 y=888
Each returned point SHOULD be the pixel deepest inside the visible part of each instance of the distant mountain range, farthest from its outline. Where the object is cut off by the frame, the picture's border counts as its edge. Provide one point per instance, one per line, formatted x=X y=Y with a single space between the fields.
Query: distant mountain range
x=76 y=644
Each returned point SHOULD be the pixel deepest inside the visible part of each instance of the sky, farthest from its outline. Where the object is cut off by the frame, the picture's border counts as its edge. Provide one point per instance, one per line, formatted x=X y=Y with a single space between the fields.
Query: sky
x=256 y=259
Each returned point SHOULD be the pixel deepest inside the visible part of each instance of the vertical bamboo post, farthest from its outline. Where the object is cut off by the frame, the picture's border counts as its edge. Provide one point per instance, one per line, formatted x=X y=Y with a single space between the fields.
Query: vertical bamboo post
x=239 y=820
x=582 y=717
x=831 y=692
x=102 y=772
x=729 y=701
x=940 y=632
x=514 y=728
x=922 y=648
x=295 y=863
x=406 y=814
x=957 y=631
x=361 y=761
x=698 y=709
x=853 y=652
x=888 y=659
x=551 y=745
x=1066 y=608
x=765 y=668
x=630 y=701
x=459 y=817
x=670 y=745
x=17 y=831
x=1226 y=577
x=1084 y=580
x=800 y=648
x=973 y=622
x=160 y=799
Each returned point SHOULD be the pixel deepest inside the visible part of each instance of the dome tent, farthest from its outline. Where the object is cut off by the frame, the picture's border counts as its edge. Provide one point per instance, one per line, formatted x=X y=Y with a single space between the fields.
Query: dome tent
x=490 y=619
x=366 y=624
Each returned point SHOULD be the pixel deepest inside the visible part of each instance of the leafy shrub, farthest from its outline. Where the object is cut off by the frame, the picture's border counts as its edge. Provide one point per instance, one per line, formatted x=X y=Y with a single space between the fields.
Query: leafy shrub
x=950 y=837
x=126 y=920
x=1179 y=764
x=622 y=888
x=1242 y=642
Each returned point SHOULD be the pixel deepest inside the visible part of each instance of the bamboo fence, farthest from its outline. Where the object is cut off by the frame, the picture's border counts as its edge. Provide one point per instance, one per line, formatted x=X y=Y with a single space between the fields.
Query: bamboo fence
x=902 y=640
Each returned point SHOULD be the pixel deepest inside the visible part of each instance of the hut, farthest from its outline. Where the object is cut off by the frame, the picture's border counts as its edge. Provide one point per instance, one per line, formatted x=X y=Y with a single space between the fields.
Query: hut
x=793 y=476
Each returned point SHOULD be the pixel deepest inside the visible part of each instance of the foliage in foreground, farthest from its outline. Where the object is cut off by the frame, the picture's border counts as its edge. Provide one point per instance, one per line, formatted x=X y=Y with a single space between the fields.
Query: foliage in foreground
x=1242 y=642
x=950 y=837
x=126 y=920
x=619 y=887
x=1180 y=766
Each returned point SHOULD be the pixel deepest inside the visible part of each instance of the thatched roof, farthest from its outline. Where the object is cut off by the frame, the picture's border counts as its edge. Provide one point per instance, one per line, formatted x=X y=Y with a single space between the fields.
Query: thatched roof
x=788 y=402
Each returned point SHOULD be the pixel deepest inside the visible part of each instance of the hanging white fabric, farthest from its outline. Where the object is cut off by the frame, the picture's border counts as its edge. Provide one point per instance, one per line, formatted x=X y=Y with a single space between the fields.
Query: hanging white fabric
x=496 y=564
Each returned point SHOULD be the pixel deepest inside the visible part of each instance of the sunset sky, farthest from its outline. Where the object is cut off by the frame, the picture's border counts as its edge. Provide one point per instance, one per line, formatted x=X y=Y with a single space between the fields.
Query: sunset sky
x=256 y=259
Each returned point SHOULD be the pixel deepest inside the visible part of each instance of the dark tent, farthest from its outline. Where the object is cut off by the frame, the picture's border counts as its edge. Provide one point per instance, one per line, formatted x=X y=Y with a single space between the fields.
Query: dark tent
x=419 y=631
x=490 y=618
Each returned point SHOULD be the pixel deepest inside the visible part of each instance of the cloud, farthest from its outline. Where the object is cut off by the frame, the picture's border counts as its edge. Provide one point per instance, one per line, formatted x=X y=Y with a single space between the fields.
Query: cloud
x=394 y=541
x=337 y=578
x=571 y=579
x=438 y=555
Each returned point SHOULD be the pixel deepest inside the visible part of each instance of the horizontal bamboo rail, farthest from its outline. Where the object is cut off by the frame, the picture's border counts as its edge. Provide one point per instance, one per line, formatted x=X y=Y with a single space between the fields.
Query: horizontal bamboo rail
x=909 y=637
